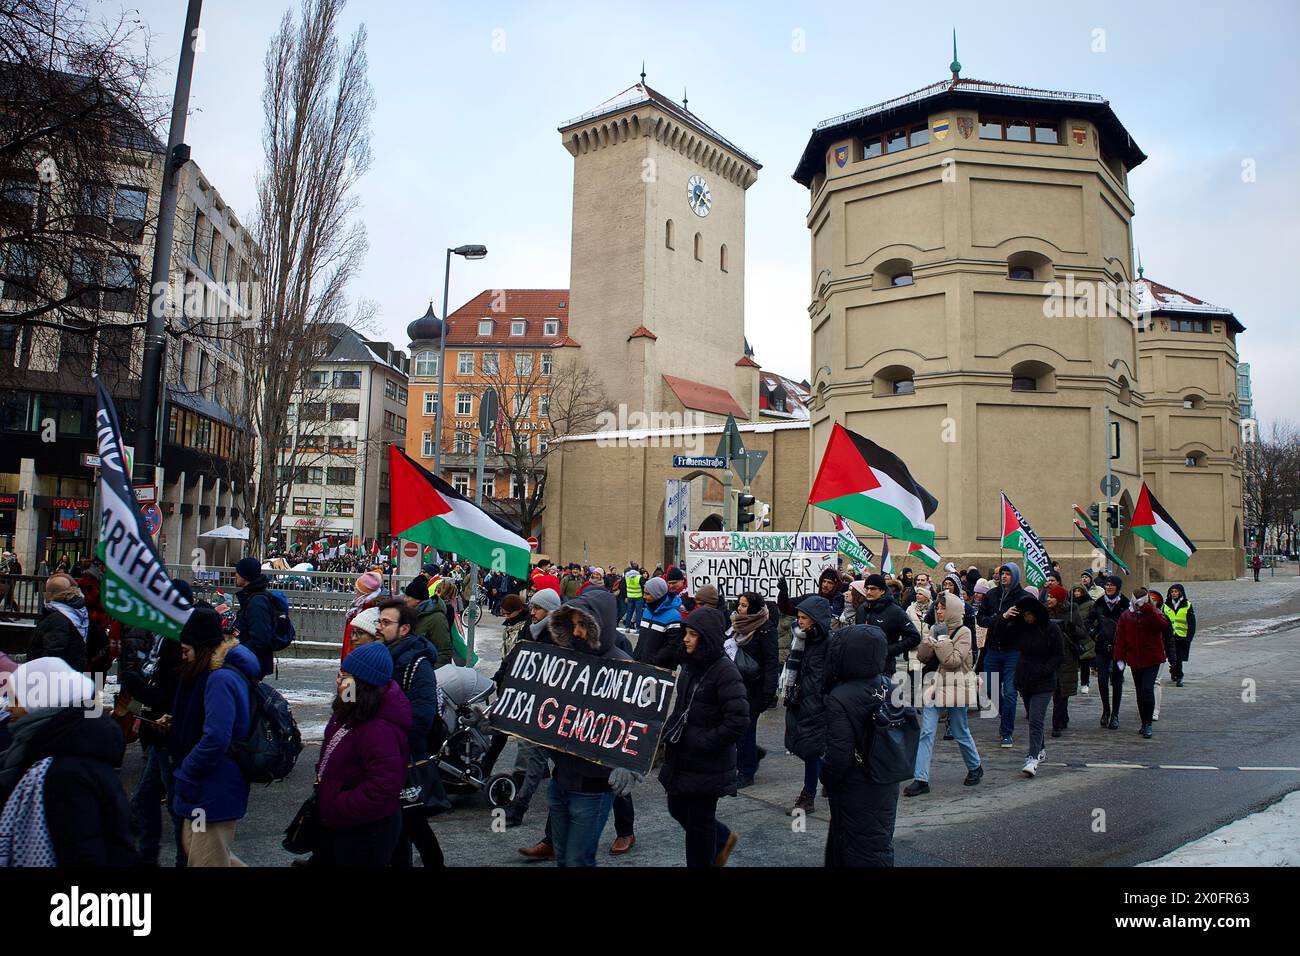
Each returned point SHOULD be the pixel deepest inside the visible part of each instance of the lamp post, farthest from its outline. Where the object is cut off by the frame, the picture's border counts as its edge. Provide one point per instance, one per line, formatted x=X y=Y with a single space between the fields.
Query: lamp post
x=469 y=252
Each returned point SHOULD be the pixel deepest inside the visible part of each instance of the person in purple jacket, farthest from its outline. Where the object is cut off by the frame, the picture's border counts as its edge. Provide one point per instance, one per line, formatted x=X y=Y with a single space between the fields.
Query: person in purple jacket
x=362 y=767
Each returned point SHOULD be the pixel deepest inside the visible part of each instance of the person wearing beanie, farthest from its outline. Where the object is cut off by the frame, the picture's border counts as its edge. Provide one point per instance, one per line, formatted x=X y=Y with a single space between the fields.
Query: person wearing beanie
x=432 y=618
x=1087 y=579
x=854 y=597
x=255 y=621
x=59 y=788
x=365 y=627
x=828 y=587
x=660 y=632
x=707 y=596
x=1182 y=618
x=362 y=766
x=370 y=591
x=1065 y=614
x=1000 y=655
x=1102 y=622
x=879 y=610
x=64 y=628
x=211 y=710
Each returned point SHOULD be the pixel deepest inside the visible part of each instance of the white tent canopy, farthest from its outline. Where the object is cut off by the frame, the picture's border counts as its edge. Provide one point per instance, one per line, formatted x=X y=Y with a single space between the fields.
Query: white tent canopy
x=227 y=532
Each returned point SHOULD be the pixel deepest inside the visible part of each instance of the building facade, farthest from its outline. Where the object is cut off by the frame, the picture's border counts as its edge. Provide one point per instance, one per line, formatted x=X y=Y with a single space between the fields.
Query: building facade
x=969 y=245
x=502 y=339
x=334 y=480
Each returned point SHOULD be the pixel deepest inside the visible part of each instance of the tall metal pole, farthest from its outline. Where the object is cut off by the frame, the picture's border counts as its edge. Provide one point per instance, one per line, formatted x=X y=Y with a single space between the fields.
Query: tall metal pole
x=149 y=434
x=472 y=606
x=442 y=371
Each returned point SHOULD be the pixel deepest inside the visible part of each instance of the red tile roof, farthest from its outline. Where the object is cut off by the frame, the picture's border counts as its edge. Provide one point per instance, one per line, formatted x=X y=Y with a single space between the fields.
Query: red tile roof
x=566 y=343
x=746 y=362
x=704 y=398
x=503 y=306
x=641 y=332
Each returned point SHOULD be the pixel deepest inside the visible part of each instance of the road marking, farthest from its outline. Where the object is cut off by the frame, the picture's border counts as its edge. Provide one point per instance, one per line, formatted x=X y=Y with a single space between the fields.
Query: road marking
x=1283 y=769
x=1177 y=766
x=1116 y=766
x=1213 y=643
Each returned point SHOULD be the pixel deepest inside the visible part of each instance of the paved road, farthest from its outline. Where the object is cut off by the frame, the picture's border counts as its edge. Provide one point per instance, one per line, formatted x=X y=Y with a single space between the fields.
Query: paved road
x=1248 y=641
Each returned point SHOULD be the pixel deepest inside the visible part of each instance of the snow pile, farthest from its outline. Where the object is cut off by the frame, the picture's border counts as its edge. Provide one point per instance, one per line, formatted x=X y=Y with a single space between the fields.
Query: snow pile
x=1270 y=837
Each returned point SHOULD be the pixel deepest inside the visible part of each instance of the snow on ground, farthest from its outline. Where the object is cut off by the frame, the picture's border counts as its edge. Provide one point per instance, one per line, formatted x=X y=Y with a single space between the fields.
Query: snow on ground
x=1270 y=837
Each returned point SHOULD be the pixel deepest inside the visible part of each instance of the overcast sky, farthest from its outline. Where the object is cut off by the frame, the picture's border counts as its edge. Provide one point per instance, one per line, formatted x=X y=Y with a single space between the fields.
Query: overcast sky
x=470 y=95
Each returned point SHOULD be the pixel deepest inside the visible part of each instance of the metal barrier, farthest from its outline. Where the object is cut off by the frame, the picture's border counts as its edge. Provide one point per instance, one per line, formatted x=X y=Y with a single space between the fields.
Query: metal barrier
x=22 y=596
x=336 y=582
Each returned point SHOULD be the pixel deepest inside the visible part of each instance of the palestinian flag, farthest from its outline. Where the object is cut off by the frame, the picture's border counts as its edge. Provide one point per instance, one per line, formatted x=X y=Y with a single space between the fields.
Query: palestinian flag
x=1084 y=524
x=860 y=480
x=886 y=559
x=137 y=589
x=928 y=555
x=850 y=546
x=1017 y=534
x=426 y=509
x=1153 y=523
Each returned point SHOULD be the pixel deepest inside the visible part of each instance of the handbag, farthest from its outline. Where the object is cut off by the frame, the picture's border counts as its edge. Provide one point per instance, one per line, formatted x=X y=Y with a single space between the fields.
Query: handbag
x=303 y=834
x=748 y=667
x=673 y=732
x=891 y=752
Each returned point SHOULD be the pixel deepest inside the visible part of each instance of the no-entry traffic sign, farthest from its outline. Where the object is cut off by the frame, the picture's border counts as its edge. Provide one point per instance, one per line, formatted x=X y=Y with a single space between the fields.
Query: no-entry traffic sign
x=411 y=549
x=532 y=544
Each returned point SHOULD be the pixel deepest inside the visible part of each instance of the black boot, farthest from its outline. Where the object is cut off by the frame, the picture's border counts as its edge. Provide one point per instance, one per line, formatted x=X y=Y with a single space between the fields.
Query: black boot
x=1105 y=716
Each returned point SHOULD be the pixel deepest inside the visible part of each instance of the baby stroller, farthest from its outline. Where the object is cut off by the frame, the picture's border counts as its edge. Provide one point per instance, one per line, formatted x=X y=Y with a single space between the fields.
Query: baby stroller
x=466 y=757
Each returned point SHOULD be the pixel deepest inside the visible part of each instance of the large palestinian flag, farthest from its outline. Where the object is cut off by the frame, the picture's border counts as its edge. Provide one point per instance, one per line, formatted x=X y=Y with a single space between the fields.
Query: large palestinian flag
x=137 y=589
x=860 y=480
x=426 y=509
x=1017 y=534
x=1152 y=522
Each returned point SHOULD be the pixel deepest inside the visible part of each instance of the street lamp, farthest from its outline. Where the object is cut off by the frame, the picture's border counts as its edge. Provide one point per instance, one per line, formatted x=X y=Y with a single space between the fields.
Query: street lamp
x=469 y=252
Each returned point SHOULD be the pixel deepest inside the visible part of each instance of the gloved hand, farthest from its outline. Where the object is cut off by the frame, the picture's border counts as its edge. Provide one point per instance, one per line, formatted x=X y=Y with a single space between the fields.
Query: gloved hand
x=622 y=780
x=781 y=586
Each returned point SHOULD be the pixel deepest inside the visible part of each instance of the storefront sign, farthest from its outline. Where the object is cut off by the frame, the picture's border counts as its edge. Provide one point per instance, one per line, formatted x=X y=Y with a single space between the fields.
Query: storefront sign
x=51 y=502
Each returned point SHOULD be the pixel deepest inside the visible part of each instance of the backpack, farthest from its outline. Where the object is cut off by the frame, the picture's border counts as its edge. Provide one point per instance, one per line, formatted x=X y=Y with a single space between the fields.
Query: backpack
x=273 y=743
x=895 y=733
x=281 y=625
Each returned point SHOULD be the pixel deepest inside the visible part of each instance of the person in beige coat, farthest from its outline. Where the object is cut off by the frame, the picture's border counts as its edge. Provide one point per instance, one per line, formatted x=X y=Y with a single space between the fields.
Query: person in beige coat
x=950 y=683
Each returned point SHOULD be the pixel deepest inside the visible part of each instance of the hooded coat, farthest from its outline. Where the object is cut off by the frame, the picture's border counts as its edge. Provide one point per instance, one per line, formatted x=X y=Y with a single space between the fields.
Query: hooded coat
x=711 y=693
x=1042 y=649
x=788 y=605
x=1103 y=620
x=805 y=720
x=255 y=622
x=862 y=812
x=1075 y=641
x=413 y=669
x=366 y=772
x=893 y=621
x=573 y=773
x=56 y=635
x=86 y=809
x=1182 y=645
x=998 y=601
x=210 y=714
x=955 y=682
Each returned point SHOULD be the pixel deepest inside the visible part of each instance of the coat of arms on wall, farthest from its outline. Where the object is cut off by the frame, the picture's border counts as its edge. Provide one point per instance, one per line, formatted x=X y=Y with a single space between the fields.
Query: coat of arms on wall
x=965 y=126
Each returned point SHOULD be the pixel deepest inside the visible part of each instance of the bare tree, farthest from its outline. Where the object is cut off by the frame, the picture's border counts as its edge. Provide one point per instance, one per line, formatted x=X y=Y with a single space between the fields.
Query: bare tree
x=79 y=162
x=316 y=142
x=1271 y=482
x=567 y=400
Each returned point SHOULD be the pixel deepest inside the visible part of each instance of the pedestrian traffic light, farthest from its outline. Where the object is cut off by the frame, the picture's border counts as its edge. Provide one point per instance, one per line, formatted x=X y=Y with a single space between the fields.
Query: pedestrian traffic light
x=744 y=509
x=1094 y=514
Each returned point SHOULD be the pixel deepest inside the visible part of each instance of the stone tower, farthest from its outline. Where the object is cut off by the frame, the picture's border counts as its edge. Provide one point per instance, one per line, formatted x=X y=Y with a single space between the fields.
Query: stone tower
x=658 y=256
x=970 y=260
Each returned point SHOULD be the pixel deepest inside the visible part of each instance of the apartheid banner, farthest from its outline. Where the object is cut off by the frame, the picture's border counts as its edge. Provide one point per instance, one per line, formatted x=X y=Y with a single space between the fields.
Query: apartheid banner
x=736 y=561
x=610 y=712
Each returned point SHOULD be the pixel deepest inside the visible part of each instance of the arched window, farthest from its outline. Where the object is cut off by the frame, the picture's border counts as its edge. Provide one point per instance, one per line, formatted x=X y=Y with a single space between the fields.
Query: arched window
x=668 y=234
x=699 y=248
x=1125 y=391
x=426 y=363
x=893 y=380
x=893 y=272
x=1193 y=401
x=1033 y=376
x=1195 y=459
x=722 y=257
x=1029 y=266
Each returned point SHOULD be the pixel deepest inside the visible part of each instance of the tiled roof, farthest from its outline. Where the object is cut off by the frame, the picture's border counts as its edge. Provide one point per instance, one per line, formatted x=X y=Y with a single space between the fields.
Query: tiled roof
x=746 y=362
x=641 y=332
x=704 y=398
x=796 y=396
x=1155 y=297
x=504 y=306
x=566 y=343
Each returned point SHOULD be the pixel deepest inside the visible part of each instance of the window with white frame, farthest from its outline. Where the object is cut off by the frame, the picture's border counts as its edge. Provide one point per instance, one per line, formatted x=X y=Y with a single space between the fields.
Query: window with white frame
x=430 y=403
x=523 y=363
x=544 y=405
x=551 y=327
x=462 y=445
x=522 y=403
x=489 y=486
x=518 y=327
x=523 y=444
x=426 y=363
x=546 y=363
x=542 y=443
x=491 y=363
x=426 y=444
x=465 y=363
x=464 y=403
x=484 y=326
x=518 y=486
x=460 y=481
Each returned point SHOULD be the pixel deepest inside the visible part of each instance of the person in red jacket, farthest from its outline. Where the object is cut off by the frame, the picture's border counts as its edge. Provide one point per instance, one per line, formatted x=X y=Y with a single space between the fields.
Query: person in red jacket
x=543 y=577
x=1140 y=644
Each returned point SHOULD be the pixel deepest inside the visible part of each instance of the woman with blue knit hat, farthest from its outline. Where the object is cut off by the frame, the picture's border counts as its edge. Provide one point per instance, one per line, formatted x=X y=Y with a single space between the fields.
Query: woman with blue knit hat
x=362 y=767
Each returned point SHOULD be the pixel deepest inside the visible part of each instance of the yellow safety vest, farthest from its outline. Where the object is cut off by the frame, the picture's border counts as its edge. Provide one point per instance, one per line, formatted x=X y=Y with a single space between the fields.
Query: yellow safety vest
x=1178 y=619
x=633 y=586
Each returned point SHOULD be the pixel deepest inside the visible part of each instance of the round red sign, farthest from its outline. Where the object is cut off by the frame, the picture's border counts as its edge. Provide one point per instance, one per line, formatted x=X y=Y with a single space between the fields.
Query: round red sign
x=411 y=549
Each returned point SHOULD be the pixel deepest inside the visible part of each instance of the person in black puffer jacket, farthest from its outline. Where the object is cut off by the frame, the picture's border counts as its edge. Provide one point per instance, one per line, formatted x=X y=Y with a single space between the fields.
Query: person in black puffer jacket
x=753 y=628
x=801 y=682
x=862 y=812
x=1042 y=651
x=255 y=623
x=879 y=610
x=1103 y=620
x=710 y=714
x=86 y=818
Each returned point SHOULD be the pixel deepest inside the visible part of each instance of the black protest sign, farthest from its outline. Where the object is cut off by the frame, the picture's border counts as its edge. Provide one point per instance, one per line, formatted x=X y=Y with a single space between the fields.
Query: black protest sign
x=610 y=712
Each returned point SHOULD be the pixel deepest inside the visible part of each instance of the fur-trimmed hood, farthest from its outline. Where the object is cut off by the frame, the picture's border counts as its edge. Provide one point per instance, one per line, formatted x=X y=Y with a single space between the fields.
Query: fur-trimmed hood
x=597 y=616
x=239 y=656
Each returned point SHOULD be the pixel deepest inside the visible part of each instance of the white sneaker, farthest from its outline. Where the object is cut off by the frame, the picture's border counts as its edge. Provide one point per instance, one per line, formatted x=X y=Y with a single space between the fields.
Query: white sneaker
x=1042 y=755
x=1030 y=768
x=1083 y=688
x=1155 y=714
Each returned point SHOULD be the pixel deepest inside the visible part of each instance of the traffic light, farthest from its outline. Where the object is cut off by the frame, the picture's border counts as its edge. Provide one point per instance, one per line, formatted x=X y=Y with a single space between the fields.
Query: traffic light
x=744 y=509
x=765 y=515
x=1094 y=514
x=1115 y=516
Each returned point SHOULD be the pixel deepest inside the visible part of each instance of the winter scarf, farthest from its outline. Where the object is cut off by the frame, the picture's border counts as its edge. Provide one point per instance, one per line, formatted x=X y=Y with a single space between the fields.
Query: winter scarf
x=24 y=833
x=745 y=626
x=79 y=616
x=1112 y=601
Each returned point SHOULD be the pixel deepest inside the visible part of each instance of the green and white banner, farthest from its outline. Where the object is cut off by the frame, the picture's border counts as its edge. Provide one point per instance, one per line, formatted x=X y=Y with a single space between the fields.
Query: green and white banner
x=853 y=549
x=137 y=589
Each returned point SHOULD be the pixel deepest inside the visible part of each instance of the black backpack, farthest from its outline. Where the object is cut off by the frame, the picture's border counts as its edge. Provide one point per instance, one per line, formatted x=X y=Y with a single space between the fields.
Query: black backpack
x=273 y=744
